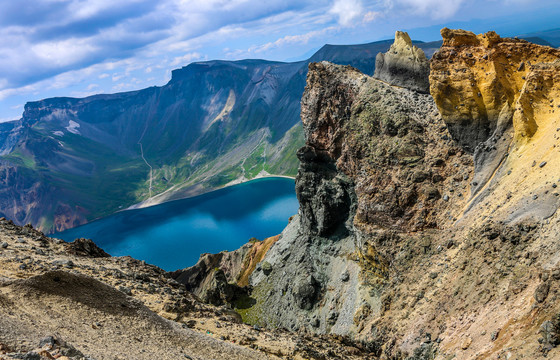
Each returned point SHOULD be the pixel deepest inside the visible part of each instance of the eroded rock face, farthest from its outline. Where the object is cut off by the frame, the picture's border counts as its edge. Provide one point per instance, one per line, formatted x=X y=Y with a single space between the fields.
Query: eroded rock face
x=223 y=277
x=377 y=158
x=386 y=144
x=403 y=65
x=500 y=100
x=479 y=81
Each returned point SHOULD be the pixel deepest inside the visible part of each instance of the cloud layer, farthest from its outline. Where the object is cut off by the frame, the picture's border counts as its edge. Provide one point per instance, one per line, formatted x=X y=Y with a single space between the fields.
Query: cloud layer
x=87 y=46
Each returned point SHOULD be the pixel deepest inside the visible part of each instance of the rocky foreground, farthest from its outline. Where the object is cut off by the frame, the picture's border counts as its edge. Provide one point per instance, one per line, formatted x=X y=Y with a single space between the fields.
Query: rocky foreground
x=73 y=301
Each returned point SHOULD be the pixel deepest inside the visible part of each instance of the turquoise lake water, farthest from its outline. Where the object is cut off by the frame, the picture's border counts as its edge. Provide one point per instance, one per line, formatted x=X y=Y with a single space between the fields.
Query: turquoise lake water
x=174 y=234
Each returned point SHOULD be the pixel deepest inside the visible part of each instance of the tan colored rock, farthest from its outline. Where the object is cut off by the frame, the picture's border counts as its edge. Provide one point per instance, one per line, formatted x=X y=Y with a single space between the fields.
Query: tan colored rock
x=466 y=343
x=500 y=99
x=403 y=65
x=477 y=81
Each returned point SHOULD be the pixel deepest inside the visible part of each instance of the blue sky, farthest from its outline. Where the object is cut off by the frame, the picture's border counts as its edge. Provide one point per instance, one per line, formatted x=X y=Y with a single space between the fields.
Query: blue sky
x=78 y=48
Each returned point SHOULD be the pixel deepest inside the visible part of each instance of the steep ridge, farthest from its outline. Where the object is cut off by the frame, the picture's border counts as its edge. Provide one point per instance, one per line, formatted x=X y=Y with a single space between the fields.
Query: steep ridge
x=214 y=123
x=395 y=244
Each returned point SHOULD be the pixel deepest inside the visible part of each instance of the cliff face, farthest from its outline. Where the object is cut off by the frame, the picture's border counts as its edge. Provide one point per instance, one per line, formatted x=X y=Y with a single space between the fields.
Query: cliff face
x=479 y=81
x=499 y=99
x=427 y=225
x=377 y=162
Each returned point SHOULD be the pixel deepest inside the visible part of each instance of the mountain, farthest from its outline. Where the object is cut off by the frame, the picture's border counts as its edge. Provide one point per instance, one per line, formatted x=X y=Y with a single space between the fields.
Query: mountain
x=547 y=37
x=428 y=223
x=68 y=161
x=428 y=229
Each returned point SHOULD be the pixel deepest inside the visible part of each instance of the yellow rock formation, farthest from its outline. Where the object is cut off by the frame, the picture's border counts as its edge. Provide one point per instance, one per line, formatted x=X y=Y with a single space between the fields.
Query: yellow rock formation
x=500 y=96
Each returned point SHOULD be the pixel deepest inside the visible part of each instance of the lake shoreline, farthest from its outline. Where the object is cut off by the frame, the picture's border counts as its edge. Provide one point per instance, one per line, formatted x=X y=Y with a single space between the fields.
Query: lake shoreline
x=172 y=235
x=153 y=201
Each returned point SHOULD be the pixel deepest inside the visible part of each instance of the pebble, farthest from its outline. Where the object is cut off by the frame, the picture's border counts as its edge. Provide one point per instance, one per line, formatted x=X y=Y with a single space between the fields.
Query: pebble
x=49 y=340
x=466 y=343
x=542 y=164
x=68 y=263
x=125 y=290
x=4 y=245
x=190 y=323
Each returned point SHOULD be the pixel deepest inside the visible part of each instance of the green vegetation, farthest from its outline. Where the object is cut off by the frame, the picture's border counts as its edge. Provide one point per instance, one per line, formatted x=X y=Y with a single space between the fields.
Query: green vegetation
x=113 y=180
x=255 y=163
x=17 y=157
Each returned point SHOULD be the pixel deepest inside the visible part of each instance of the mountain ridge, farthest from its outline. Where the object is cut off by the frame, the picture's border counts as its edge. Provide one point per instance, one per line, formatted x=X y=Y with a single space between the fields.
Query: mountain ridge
x=235 y=119
x=214 y=123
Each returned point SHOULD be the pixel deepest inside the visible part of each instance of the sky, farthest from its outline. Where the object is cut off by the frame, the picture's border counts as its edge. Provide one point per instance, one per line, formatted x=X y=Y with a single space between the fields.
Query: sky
x=79 y=48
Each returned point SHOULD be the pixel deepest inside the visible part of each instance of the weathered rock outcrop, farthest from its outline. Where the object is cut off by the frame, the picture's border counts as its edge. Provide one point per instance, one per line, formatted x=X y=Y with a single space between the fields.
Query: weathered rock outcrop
x=377 y=161
x=404 y=65
x=500 y=100
x=479 y=81
x=387 y=143
x=223 y=278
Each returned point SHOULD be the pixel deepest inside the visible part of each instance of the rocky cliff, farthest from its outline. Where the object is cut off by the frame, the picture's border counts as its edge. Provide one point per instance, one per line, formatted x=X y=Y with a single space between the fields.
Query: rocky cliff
x=404 y=65
x=499 y=98
x=377 y=162
x=427 y=223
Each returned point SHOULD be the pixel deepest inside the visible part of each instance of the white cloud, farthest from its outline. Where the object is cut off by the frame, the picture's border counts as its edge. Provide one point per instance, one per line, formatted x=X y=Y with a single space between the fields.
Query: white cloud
x=186 y=59
x=437 y=9
x=291 y=39
x=18 y=91
x=347 y=11
x=63 y=53
x=371 y=16
x=117 y=77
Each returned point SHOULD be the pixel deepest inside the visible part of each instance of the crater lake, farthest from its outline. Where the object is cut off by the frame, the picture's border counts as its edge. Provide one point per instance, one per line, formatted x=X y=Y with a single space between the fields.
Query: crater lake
x=172 y=235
